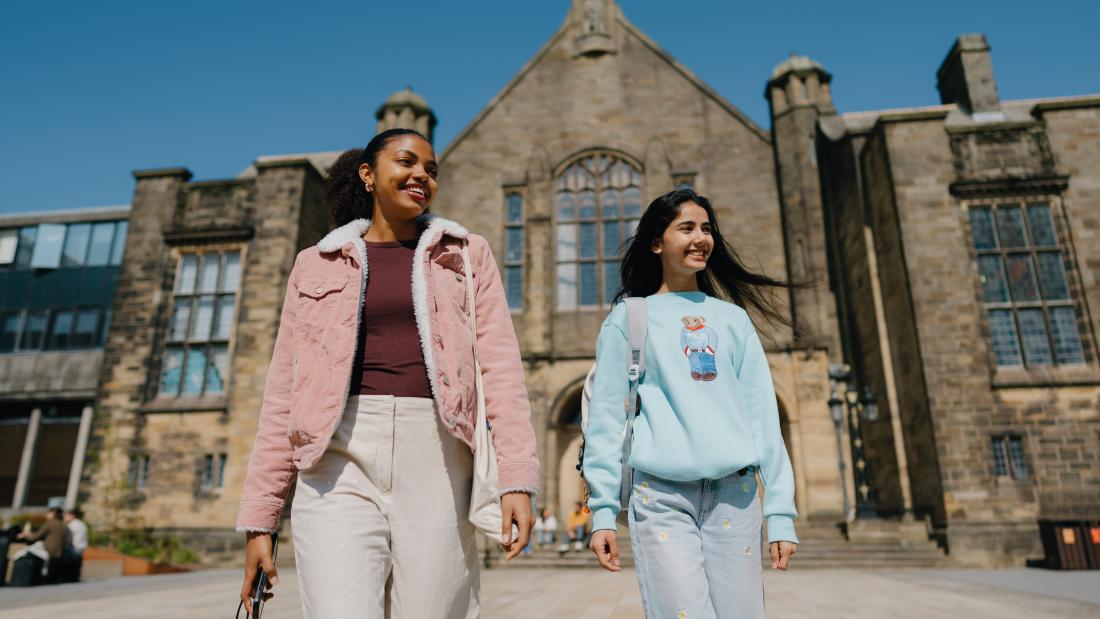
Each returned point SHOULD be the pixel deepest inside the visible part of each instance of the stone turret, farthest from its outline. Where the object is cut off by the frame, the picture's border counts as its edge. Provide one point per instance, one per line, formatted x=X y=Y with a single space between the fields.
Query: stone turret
x=405 y=109
x=966 y=76
x=799 y=94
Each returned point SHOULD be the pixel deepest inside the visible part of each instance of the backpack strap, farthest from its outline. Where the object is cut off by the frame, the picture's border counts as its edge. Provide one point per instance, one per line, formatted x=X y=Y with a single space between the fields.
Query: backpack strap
x=637 y=319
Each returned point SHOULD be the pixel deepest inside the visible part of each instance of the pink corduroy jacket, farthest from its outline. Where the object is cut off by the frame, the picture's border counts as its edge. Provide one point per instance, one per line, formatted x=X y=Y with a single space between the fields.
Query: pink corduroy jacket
x=308 y=382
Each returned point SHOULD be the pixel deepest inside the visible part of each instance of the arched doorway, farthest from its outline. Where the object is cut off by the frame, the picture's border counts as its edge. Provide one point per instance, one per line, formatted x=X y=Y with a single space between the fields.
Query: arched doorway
x=563 y=444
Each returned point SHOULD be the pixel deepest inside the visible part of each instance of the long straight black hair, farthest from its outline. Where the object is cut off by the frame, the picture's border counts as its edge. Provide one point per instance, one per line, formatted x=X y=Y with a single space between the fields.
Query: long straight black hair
x=725 y=277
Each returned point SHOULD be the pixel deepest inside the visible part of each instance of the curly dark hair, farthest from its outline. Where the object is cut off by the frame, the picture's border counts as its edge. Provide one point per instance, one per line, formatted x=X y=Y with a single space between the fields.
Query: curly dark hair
x=345 y=194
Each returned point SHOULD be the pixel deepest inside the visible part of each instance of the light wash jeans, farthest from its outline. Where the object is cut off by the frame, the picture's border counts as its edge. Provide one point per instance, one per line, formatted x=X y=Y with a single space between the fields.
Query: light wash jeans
x=697 y=547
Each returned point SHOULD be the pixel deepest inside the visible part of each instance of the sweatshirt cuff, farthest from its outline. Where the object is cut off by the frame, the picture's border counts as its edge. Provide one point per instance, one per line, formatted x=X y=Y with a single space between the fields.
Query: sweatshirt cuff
x=604 y=519
x=781 y=529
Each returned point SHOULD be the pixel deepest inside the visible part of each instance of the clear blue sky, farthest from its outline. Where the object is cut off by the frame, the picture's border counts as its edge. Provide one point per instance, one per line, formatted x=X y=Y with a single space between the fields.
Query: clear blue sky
x=91 y=91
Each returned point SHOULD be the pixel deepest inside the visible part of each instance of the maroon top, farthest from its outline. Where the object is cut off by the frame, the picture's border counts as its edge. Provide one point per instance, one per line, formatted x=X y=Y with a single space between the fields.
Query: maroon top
x=389 y=360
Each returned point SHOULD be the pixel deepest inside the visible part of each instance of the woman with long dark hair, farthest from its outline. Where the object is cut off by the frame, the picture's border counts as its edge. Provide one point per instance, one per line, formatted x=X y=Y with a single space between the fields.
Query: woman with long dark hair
x=370 y=401
x=706 y=426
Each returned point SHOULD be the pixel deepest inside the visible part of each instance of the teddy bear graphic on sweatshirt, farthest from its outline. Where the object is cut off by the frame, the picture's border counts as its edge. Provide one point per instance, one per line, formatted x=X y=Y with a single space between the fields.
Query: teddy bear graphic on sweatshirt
x=698 y=341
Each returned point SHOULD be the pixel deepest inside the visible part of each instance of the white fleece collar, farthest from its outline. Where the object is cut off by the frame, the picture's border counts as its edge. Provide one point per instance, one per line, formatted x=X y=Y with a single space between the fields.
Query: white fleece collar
x=433 y=228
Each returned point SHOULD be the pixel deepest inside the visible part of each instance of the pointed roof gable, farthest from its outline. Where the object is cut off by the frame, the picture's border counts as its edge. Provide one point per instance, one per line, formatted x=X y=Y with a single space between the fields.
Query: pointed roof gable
x=572 y=24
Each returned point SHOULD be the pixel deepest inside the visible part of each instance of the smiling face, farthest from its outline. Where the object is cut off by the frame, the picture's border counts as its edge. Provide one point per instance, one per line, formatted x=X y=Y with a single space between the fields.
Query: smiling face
x=403 y=178
x=686 y=243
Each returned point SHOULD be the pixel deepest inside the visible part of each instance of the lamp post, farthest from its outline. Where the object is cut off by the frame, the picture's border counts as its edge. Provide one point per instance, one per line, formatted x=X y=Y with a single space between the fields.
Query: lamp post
x=854 y=408
x=836 y=411
x=862 y=407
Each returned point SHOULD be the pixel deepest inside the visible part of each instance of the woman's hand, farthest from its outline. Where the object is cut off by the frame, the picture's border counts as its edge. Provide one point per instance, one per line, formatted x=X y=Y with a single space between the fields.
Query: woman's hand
x=515 y=507
x=257 y=554
x=782 y=553
x=603 y=544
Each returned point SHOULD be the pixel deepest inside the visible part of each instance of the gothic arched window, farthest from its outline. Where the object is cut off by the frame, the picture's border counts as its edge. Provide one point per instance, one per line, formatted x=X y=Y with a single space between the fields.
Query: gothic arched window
x=598 y=201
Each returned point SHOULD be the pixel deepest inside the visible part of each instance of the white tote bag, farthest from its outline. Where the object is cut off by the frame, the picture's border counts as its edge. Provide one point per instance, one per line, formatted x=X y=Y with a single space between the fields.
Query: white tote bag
x=485 y=510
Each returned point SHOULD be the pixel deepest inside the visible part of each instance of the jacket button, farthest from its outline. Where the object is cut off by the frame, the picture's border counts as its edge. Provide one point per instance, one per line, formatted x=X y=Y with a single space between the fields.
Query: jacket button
x=445 y=380
x=458 y=276
x=318 y=290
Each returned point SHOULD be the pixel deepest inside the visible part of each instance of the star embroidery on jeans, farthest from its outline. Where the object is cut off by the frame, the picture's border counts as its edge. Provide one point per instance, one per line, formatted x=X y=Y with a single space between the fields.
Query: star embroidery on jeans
x=645 y=499
x=645 y=484
x=662 y=536
x=727 y=523
x=745 y=487
x=681 y=614
x=748 y=551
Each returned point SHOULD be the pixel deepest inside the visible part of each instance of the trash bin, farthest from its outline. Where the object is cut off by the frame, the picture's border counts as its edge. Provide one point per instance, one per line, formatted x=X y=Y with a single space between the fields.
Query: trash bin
x=1071 y=544
x=26 y=571
x=5 y=544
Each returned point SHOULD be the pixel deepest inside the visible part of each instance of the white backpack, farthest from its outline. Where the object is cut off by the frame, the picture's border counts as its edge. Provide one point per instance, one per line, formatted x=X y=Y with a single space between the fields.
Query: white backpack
x=637 y=319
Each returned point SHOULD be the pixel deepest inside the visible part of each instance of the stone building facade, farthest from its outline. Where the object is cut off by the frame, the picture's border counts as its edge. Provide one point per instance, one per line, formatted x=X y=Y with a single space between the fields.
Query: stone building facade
x=875 y=211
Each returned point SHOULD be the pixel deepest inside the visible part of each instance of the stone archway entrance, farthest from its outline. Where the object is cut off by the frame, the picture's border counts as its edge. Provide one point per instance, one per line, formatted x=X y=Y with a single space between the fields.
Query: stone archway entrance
x=563 y=434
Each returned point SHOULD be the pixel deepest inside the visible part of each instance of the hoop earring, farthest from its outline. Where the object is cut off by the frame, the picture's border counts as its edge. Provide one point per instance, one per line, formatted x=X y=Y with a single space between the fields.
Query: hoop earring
x=369 y=187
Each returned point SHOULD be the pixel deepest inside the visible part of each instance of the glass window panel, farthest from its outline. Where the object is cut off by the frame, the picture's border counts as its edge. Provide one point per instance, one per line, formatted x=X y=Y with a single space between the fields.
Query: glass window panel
x=177 y=323
x=204 y=319
x=994 y=286
x=105 y=327
x=567 y=286
x=587 y=208
x=612 y=239
x=632 y=202
x=981 y=227
x=610 y=280
x=1042 y=227
x=9 y=330
x=76 y=245
x=223 y=323
x=1021 y=277
x=1000 y=463
x=1033 y=333
x=1010 y=226
x=208 y=471
x=231 y=273
x=1067 y=339
x=589 y=285
x=609 y=204
x=25 y=248
x=189 y=268
x=193 y=372
x=567 y=207
x=221 y=470
x=514 y=245
x=1016 y=457
x=218 y=369
x=515 y=208
x=60 y=330
x=120 y=242
x=1006 y=346
x=588 y=247
x=1052 y=276
x=99 y=254
x=34 y=330
x=209 y=267
x=87 y=328
x=48 y=246
x=9 y=240
x=170 y=370
x=567 y=242
x=513 y=281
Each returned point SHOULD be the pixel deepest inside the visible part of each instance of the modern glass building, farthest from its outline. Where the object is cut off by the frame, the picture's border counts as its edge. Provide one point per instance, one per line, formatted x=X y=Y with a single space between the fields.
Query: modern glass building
x=58 y=273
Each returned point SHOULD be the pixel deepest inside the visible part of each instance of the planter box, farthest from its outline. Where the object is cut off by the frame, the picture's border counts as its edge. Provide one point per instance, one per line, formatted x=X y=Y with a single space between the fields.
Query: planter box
x=131 y=566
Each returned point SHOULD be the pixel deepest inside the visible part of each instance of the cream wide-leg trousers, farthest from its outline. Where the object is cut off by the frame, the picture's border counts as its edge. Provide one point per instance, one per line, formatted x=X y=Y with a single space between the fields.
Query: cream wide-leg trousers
x=380 y=523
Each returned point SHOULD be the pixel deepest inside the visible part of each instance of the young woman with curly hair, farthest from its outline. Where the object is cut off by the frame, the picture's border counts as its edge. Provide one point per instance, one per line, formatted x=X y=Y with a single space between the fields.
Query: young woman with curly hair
x=370 y=401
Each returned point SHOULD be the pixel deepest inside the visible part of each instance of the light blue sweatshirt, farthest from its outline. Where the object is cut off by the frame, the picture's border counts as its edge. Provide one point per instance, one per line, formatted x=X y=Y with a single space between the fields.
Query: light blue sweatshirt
x=708 y=406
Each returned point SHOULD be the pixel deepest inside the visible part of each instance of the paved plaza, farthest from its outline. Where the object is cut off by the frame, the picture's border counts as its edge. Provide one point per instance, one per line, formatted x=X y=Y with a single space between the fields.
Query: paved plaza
x=593 y=594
